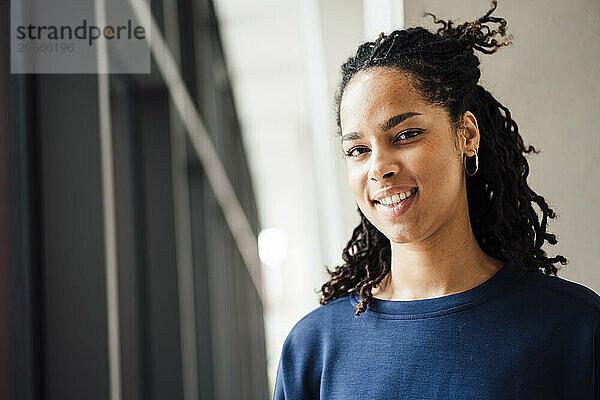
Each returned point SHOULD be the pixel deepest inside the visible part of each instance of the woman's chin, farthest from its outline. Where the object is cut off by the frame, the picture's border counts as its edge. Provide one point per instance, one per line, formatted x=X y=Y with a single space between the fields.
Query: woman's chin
x=401 y=229
x=401 y=234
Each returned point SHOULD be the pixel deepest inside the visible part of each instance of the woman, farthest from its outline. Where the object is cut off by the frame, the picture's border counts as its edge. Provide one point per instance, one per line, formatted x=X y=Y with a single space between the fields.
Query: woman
x=445 y=291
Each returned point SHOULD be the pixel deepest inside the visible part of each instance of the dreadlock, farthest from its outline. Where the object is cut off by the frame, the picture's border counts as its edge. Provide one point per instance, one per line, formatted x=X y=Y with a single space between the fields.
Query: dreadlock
x=446 y=72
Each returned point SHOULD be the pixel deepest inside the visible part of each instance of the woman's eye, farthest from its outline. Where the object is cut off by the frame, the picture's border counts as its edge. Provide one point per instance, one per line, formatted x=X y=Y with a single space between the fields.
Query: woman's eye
x=355 y=151
x=407 y=135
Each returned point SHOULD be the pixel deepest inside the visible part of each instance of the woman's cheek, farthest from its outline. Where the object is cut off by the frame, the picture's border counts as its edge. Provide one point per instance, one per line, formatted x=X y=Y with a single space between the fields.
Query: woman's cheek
x=357 y=180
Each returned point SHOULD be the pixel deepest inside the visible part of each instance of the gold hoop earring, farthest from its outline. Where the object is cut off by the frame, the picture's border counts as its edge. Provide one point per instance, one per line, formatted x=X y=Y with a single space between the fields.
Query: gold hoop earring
x=476 y=163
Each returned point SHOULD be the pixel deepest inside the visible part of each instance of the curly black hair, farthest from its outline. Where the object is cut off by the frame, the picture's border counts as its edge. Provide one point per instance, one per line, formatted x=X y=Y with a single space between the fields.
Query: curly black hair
x=446 y=72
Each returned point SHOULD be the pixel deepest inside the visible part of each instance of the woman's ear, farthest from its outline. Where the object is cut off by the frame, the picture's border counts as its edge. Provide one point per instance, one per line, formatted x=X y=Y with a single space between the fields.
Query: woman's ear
x=469 y=134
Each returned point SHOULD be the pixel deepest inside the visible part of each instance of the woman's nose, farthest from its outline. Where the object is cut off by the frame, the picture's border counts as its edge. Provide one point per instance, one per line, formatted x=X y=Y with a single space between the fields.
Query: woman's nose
x=382 y=166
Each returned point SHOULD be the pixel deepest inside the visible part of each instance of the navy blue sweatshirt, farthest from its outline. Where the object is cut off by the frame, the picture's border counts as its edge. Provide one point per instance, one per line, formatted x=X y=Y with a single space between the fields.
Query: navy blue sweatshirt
x=515 y=336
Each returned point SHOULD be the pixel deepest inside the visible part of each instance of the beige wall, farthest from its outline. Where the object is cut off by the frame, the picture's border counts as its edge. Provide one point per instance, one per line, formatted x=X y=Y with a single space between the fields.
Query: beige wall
x=550 y=80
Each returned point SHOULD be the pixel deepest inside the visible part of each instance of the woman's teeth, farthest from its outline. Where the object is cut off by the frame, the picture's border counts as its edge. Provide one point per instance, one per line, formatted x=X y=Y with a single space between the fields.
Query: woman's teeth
x=397 y=198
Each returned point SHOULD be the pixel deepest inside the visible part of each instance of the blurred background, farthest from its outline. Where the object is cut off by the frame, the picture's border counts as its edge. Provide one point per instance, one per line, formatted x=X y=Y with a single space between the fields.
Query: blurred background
x=160 y=234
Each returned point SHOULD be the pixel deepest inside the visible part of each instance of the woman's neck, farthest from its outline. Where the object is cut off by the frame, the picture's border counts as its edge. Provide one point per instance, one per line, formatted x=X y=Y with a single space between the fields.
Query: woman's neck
x=448 y=261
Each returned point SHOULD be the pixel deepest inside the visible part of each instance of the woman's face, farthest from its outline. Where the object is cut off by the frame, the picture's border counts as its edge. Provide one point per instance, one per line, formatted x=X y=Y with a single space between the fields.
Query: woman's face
x=397 y=145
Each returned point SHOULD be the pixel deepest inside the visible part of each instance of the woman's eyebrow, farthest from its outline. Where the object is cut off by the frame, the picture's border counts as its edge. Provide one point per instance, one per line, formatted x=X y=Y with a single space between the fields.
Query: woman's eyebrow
x=387 y=125
x=396 y=119
x=351 y=136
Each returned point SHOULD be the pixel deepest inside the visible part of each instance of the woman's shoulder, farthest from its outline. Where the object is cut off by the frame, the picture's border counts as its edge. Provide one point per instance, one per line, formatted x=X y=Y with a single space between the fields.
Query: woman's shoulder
x=313 y=326
x=570 y=294
x=306 y=348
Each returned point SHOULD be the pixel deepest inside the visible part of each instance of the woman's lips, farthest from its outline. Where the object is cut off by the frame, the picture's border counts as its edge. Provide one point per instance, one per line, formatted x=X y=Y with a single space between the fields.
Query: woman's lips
x=398 y=209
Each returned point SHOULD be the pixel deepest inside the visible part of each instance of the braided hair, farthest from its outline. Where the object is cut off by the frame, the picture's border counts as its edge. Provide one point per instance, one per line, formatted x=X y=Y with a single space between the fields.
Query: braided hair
x=446 y=72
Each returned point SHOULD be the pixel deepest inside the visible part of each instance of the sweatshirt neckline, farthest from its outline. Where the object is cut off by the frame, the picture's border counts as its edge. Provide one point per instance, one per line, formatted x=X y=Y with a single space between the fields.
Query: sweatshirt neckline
x=410 y=309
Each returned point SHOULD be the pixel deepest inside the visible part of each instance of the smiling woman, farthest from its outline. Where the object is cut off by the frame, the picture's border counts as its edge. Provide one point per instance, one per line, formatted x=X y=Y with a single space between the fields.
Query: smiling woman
x=414 y=151
x=447 y=263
